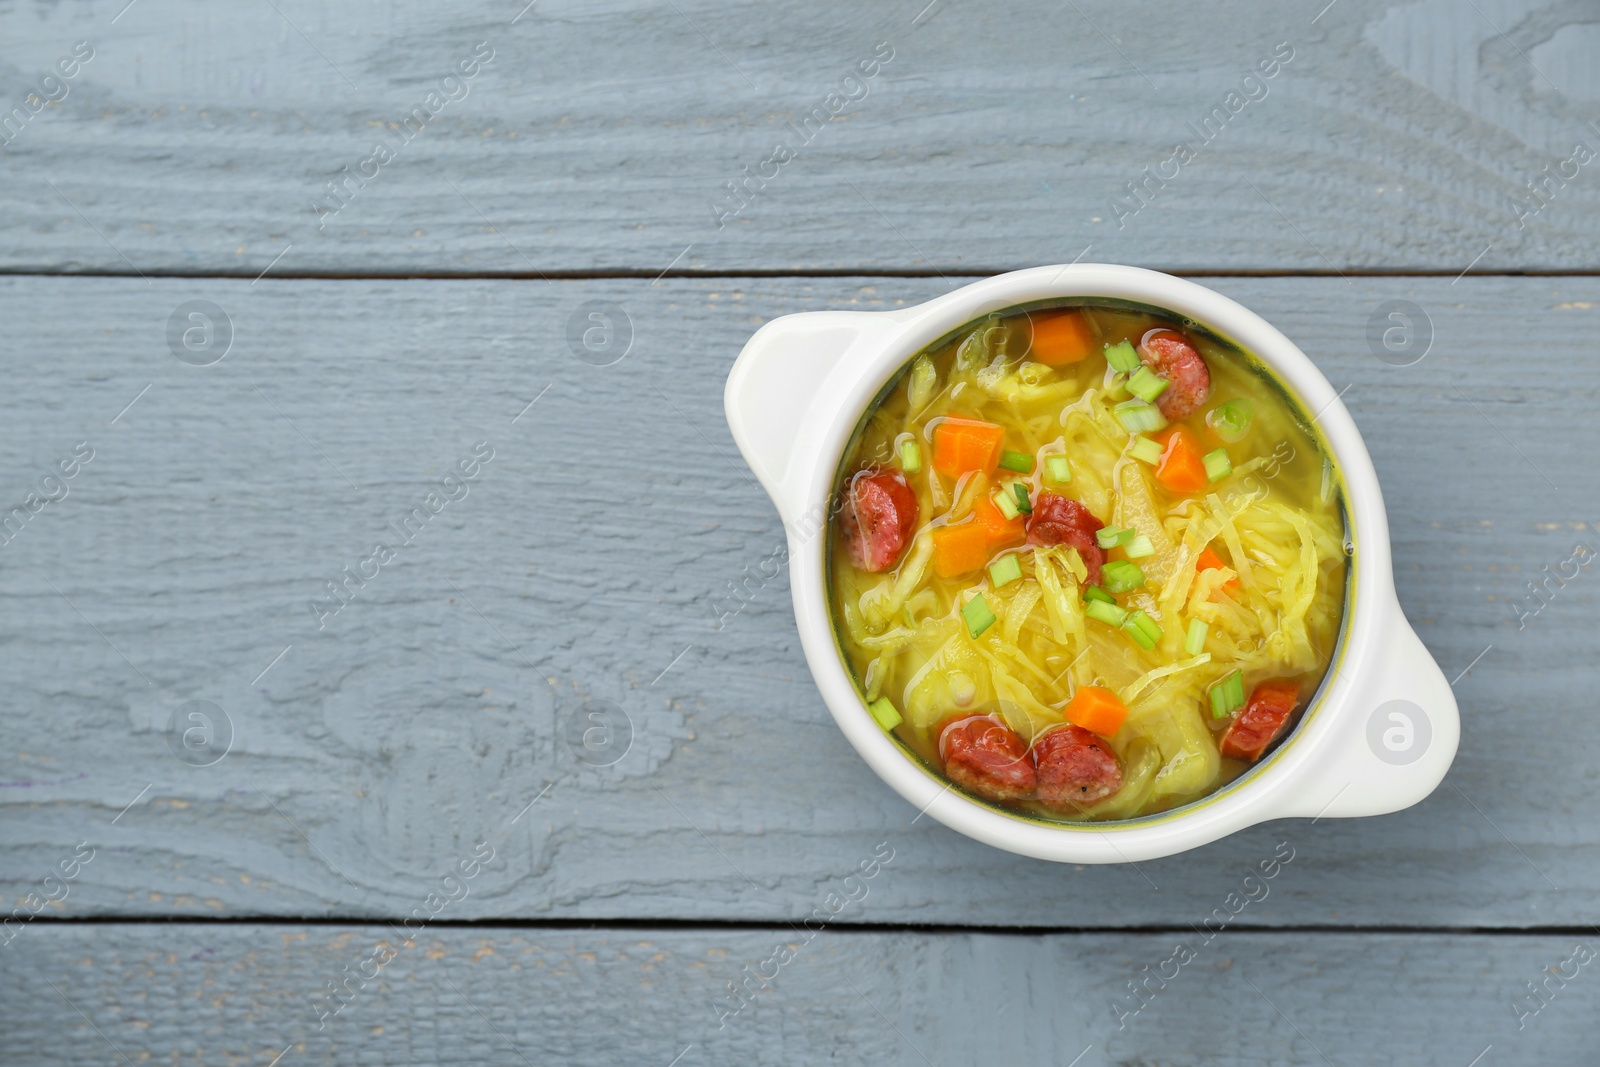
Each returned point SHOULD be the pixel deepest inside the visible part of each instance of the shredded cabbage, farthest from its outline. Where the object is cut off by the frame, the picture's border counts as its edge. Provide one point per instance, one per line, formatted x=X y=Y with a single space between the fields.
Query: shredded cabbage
x=1017 y=612
x=1169 y=715
x=923 y=384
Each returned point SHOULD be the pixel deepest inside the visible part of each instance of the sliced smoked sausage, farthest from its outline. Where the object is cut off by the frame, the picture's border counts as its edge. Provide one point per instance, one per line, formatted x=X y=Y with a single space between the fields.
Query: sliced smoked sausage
x=985 y=756
x=1265 y=715
x=1170 y=356
x=877 y=519
x=1075 y=768
x=1060 y=520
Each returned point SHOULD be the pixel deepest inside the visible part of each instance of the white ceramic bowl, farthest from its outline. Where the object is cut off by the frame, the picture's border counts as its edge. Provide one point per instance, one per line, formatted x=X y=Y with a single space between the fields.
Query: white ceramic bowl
x=1378 y=735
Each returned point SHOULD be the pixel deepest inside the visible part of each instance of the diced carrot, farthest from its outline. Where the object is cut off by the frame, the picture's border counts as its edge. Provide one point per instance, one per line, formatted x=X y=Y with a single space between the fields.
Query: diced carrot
x=1097 y=710
x=962 y=445
x=1000 y=530
x=1060 y=337
x=1210 y=561
x=960 y=549
x=1181 y=468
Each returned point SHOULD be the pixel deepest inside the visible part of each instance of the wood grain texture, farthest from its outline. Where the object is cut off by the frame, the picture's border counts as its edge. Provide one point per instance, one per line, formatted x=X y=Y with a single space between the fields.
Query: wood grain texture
x=244 y=994
x=1400 y=136
x=593 y=559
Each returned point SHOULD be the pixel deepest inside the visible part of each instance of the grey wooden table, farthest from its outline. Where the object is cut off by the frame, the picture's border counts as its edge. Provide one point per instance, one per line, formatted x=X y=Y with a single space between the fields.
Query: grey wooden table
x=274 y=275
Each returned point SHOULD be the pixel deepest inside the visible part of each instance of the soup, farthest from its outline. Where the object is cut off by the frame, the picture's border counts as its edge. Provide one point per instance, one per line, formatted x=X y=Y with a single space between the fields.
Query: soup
x=1088 y=562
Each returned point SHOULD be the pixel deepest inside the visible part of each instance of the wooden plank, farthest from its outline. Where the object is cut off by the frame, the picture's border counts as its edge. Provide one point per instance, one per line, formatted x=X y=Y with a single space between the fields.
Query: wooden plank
x=592 y=559
x=199 y=138
x=230 y=993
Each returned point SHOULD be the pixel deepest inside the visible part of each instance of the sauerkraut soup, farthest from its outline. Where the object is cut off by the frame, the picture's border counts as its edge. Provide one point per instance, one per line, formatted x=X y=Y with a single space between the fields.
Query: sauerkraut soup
x=1087 y=561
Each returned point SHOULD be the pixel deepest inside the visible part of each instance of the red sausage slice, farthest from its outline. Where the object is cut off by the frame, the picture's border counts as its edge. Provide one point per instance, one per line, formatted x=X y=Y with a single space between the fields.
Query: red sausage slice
x=879 y=513
x=1175 y=359
x=985 y=756
x=1261 y=721
x=1060 y=520
x=1075 y=768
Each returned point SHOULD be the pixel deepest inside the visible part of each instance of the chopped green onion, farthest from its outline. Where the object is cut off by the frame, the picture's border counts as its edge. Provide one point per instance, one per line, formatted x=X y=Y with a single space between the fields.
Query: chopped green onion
x=1146 y=384
x=1004 y=570
x=1119 y=576
x=1094 y=592
x=1142 y=628
x=1227 y=696
x=1122 y=357
x=1194 y=642
x=884 y=711
x=1144 y=622
x=1138 y=416
x=977 y=615
x=1007 y=504
x=1146 y=451
x=910 y=457
x=1112 y=536
x=1231 y=421
x=1106 y=613
x=1140 y=547
x=1218 y=465
x=1020 y=462
x=1057 y=470
x=1023 y=505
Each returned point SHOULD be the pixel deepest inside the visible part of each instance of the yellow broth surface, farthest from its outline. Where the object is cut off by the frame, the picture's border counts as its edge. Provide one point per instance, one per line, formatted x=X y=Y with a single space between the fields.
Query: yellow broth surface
x=1272 y=612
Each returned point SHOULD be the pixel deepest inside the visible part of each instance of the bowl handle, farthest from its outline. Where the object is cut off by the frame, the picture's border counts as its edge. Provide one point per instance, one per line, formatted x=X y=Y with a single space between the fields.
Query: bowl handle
x=786 y=388
x=1395 y=743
